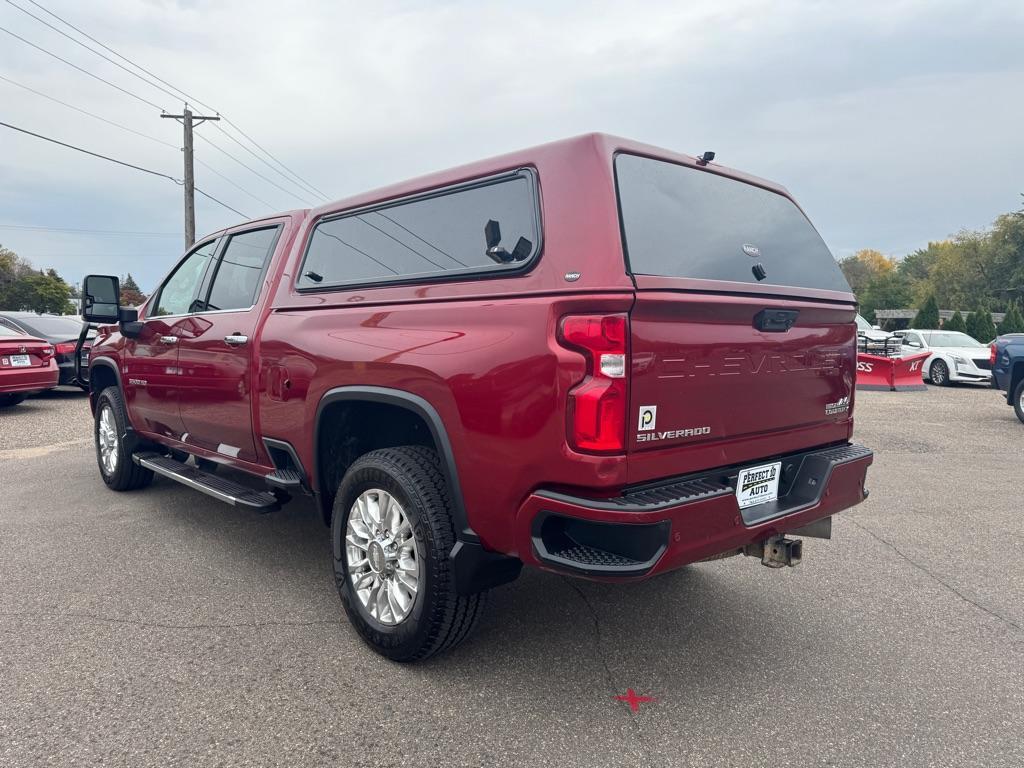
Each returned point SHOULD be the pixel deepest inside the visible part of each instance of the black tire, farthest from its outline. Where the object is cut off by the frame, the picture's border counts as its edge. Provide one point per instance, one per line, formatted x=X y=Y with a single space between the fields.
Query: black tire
x=1018 y=400
x=125 y=475
x=6 y=401
x=439 y=618
x=938 y=374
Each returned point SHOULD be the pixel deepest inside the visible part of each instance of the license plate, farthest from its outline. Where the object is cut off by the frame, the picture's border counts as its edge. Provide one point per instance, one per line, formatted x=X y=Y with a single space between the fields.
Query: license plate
x=20 y=361
x=758 y=485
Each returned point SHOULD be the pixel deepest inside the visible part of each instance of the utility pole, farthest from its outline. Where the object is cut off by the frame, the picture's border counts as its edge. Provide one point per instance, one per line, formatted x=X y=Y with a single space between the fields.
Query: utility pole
x=188 y=120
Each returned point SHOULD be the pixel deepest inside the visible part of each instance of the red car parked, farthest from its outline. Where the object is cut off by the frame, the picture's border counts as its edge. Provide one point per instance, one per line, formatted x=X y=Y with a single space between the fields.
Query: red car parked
x=27 y=366
x=595 y=357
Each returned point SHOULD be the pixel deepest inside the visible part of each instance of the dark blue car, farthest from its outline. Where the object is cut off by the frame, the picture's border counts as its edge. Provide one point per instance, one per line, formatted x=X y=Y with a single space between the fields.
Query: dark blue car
x=1008 y=369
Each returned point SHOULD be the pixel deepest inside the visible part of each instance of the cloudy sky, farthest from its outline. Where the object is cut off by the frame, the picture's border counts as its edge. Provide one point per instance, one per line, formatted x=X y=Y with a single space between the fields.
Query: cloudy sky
x=892 y=122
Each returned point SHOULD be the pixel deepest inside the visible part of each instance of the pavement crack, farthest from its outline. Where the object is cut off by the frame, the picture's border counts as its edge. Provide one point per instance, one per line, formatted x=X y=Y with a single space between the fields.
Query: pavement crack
x=609 y=677
x=86 y=617
x=936 y=578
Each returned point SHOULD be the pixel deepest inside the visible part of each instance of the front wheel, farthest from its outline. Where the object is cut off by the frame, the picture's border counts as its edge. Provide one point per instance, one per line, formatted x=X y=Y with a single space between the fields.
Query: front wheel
x=1018 y=400
x=393 y=531
x=117 y=469
x=939 y=373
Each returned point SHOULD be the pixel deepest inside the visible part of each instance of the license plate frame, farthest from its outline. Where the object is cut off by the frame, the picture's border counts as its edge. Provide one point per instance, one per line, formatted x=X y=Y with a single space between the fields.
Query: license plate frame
x=20 y=361
x=758 y=484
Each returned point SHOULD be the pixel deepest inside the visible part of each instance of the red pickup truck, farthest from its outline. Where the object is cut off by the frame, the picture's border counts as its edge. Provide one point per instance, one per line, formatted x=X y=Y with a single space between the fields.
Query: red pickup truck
x=595 y=357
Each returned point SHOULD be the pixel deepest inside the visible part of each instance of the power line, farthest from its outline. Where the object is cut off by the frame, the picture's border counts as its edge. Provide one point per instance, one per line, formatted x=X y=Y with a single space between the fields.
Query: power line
x=251 y=169
x=103 y=232
x=240 y=188
x=267 y=153
x=208 y=167
x=144 y=80
x=119 y=162
x=180 y=91
x=275 y=170
x=94 y=154
x=76 y=41
x=211 y=197
x=84 y=71
x=90 y=114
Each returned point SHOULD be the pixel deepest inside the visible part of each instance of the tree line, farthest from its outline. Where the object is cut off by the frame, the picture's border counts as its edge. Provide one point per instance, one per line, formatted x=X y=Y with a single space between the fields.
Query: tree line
x=975 y=272
x=27 y=289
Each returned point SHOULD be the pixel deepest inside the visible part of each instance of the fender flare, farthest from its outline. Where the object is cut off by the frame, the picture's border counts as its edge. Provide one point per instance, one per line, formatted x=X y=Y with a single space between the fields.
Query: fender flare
x=112 y=365
x=476 y=569
x=422 y=408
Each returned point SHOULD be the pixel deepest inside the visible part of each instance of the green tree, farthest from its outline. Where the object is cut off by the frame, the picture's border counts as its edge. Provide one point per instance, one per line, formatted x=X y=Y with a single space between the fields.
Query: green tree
x=885 y=291
x=927 y=314
x=1014 y=320
x=979 y=324
x=865 y=266
x=39 y=292
x=955 y=323
x=131 y=295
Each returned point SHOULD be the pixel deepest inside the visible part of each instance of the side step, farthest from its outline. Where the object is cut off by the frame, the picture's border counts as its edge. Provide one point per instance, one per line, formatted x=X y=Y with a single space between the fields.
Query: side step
x=220 y=488
x=286 y=479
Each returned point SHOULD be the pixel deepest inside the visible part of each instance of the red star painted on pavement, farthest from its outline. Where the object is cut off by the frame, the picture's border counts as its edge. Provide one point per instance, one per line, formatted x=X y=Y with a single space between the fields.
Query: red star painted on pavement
x=634 y=700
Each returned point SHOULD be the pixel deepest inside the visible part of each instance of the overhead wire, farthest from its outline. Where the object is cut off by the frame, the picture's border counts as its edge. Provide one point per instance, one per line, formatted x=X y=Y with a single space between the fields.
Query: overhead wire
x=119 y=162
x=296 y=178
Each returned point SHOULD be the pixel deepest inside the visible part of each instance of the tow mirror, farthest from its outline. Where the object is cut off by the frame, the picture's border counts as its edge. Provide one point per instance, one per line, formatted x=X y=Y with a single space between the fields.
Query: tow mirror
x=101 y=299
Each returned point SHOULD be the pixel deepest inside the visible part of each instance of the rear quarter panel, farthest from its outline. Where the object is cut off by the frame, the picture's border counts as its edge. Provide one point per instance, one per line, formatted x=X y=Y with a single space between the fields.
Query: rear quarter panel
x=482 y=352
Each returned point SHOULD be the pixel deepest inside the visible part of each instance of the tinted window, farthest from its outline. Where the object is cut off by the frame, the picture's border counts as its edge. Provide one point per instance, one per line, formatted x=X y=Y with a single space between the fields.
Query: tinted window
x=5 y=331
x=437 y=234
x=237 y=282
x=180 y=288
x=683 y=222
x=54 y=325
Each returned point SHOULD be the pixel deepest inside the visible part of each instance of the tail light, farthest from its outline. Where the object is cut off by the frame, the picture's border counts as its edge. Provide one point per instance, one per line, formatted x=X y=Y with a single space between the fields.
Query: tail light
x=46 y=353
x=992 y=354
x=66 y=347
x=597 y=405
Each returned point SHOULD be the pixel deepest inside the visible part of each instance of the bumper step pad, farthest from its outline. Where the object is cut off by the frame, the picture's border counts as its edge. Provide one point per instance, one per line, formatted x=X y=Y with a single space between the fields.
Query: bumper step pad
x=220 y=488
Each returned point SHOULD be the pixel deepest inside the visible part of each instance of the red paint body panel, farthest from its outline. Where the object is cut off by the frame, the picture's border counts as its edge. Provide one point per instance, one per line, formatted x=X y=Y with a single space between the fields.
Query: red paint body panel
x=484 y=354
x=41 y=373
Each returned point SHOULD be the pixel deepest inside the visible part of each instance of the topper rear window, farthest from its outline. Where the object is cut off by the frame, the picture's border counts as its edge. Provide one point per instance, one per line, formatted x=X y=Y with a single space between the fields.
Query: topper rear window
x=678 y=221
x=471 y=229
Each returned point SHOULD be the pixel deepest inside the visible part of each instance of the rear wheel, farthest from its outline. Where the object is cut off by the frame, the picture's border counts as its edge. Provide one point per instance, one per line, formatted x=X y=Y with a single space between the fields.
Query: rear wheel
x=6 y=401
x=939 y=373
x=117 y=469
x=1018 y=400
x=392 y=532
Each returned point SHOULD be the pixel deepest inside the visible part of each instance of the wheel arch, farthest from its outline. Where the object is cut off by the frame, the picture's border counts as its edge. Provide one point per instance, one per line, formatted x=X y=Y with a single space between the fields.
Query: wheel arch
x=103 y=373
x=397 y=401
x=1016 y=376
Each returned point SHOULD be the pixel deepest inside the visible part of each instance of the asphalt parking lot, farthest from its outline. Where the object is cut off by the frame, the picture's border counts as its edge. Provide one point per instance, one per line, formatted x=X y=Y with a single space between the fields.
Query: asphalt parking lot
x=163 y=628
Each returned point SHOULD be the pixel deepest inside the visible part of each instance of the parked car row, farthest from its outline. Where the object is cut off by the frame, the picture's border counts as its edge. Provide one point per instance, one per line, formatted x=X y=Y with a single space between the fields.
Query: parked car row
x=37 y=353
x=60 y=330
x=953 y=356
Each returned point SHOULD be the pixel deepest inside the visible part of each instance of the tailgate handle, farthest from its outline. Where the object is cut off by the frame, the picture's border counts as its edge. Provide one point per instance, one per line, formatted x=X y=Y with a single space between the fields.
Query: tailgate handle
x=775 y=320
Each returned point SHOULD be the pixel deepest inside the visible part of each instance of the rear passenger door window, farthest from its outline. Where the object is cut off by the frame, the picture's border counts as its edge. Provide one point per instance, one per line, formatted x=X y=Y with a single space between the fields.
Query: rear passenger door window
x=240 y=270
x=490 y=225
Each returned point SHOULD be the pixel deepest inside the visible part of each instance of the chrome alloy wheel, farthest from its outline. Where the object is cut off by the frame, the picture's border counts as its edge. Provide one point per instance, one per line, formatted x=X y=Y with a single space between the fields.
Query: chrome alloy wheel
x=382 y=556
x=107 y=440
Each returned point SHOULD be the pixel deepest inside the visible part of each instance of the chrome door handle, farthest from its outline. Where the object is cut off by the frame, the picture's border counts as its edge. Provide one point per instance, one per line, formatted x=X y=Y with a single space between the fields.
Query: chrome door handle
x=168 y=339
x=235 y=339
